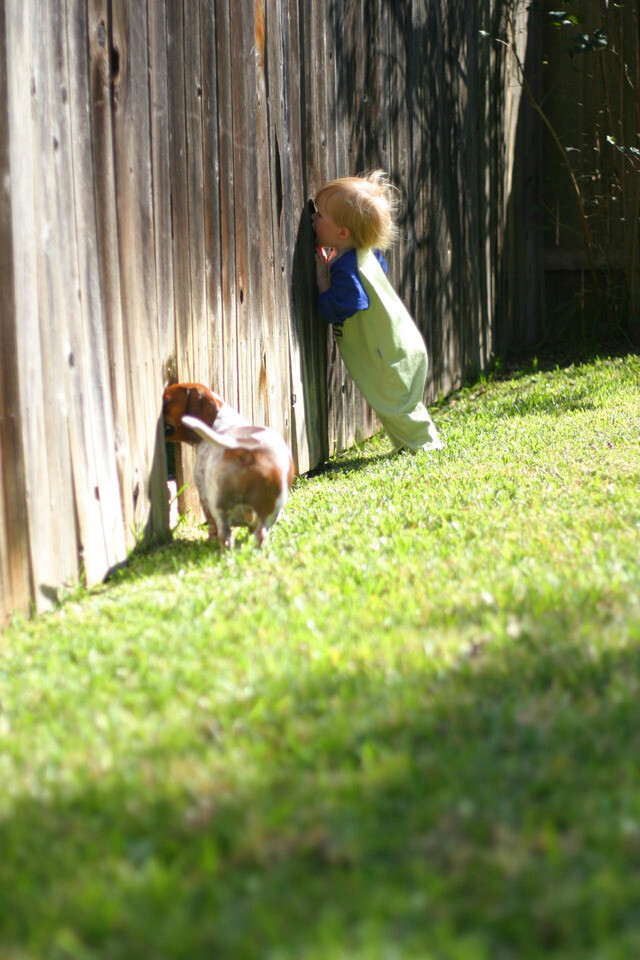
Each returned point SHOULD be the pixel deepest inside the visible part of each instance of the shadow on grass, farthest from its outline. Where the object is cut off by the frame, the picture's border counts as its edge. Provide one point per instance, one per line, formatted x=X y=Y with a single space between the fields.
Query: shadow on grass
x=546 y=405
x=574 y=392
x=490 y=810
x=164 y=557
x=544 y=360
x=351 y=462
x=168 y=556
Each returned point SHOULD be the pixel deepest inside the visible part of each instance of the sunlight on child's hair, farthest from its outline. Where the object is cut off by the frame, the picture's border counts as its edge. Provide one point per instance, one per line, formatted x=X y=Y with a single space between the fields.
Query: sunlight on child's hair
x=367 y=205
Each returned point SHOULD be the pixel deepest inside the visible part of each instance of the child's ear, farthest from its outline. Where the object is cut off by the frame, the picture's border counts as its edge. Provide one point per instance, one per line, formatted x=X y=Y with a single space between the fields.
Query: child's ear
x=344 y=233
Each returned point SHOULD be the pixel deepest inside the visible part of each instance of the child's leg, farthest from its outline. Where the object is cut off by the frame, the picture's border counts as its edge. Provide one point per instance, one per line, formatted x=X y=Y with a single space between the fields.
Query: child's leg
x=412 y=429
x=398 y=444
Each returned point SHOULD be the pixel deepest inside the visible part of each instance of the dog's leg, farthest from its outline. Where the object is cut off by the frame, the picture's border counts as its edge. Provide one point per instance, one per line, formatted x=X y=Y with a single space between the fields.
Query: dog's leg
x=211 y=523
x=260 y=534
x=263 y=524
x=224 y=530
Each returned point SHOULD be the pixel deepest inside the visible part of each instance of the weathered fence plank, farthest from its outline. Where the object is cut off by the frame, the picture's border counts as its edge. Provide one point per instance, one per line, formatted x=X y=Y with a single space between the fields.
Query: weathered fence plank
x=103 y=62
x=244 y=199
x=273 y=381
x=89 y=403
x=313 y=337
x=281 y=227
x=230 y=388
x=596 y=283
x=15 y=588
x=211 y=194
x=161 y=178
x=340 y=409
x=195 y=184
x=262 y=240
x=50 y=482
x=137 y=264
x=181 y=163
x=294 y=219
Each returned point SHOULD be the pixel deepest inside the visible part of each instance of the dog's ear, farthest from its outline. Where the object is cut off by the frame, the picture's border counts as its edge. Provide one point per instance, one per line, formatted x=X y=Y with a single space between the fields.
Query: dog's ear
x=203 y=404
x=174 y=401
x=193 y=399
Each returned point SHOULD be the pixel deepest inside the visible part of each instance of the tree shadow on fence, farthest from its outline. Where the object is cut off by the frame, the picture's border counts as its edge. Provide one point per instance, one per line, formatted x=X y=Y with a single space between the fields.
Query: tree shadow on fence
x=487 y=810
x=435 y=110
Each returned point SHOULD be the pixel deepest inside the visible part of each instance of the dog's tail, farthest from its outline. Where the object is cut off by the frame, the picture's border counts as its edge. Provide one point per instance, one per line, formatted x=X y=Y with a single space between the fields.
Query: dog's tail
x=220 y=439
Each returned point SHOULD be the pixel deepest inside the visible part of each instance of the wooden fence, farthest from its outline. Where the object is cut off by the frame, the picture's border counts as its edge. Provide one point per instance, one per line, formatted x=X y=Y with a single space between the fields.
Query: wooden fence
x=157 y=159
x=592 y=100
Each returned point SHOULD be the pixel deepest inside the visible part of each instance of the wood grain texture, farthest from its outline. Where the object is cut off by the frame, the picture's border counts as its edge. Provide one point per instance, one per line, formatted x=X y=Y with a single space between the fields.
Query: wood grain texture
x=103 y=61
x=43 y=331
x=96 y=488
x=136 y=242
x=15 y=588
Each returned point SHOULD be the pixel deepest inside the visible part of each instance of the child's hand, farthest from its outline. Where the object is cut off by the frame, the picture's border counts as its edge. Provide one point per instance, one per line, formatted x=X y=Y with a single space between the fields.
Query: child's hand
x=322 y=268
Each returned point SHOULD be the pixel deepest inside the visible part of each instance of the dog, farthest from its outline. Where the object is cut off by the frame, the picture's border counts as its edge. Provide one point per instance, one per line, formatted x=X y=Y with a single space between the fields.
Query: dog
x=243 y=473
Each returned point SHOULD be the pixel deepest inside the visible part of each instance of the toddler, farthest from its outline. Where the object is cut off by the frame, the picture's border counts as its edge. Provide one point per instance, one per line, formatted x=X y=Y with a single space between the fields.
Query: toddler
x=380 y=344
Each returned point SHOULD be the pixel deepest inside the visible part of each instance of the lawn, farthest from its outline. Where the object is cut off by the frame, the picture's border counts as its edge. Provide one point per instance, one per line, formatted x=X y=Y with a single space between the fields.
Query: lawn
x=409 y=729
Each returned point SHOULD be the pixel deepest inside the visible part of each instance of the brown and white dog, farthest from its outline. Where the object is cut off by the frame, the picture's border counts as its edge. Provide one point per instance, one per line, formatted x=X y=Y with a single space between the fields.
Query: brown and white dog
x=243 y=473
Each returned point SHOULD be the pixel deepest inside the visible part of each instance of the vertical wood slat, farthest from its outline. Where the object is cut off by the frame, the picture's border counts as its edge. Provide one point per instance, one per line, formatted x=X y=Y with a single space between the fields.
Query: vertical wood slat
x=342 y=398
x=354 y=407
x=51 y=509
x=211 y=195
x=244 y=141
x=306 y=439
x=137 y=266
x=93 y=448
x=179 y=187
x=531 y=247
x=308 y=339
x=465 y=100
x=269 y=67
x=335 y=404
x=486 y=235
x=418 y=180
x=469 y=30
x=400 y=268
x=160 y=121
x=631 y=40
x=274 y=137
x=267 y=368
x=439 y=158
x=14 y=558
x=102 y=60
x=380 y=56
x=182 y=165
x=195 y=183
x=396 y=82
x=337 y=401
x=342 y=395
x=227 y=191
x=450 y=179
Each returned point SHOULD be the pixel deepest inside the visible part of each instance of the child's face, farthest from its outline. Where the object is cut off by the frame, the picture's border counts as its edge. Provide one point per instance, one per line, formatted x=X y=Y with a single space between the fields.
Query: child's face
x=328 y=233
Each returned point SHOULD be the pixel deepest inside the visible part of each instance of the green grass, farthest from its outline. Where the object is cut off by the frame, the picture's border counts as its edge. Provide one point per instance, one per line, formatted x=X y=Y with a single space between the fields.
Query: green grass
x=409 y=728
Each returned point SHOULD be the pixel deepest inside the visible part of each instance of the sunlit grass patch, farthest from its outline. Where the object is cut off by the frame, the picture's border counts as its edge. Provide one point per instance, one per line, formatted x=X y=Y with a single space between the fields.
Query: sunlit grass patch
x=407 y=728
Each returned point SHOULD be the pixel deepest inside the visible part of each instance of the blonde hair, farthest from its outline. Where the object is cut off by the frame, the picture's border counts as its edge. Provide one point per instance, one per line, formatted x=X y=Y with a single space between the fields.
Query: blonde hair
x=366 y=205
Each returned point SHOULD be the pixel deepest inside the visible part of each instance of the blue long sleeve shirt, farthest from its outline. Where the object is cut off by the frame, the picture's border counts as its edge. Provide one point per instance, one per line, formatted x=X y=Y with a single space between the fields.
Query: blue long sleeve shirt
x=346 y=295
